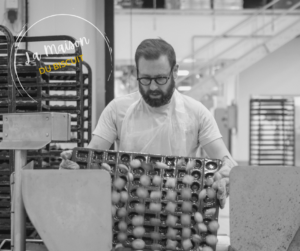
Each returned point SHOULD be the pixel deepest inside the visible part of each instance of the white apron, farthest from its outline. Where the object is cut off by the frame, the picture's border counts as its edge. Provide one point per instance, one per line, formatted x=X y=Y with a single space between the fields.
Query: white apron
x=162 y=130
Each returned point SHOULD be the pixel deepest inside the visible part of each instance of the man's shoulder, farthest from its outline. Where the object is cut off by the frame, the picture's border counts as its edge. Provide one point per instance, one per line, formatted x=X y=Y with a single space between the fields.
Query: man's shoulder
x=123 y=102
x=193 y=103
x=131 y=96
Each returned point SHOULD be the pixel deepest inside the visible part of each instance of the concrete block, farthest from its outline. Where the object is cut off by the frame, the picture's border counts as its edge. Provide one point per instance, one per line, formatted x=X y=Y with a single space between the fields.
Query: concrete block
x=264 y=208
x=70 y=209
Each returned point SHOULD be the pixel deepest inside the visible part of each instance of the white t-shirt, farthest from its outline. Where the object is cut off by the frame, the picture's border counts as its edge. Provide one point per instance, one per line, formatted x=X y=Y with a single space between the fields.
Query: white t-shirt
x=110 y=122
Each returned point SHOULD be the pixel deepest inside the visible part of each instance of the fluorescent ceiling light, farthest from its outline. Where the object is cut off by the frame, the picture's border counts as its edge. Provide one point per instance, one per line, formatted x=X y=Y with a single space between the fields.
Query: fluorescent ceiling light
x=189 y=60
x=184 y=88
x=183 y=72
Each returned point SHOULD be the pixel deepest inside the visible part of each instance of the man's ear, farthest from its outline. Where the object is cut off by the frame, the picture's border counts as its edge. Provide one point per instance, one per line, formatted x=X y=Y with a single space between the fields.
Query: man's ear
x=175 y=71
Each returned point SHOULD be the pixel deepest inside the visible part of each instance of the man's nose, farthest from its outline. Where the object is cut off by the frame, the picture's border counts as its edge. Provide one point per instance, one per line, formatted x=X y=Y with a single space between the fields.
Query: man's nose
x=153 y=85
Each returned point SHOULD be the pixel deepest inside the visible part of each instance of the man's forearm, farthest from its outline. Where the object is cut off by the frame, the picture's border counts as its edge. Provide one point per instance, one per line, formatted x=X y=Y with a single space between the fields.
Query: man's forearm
x=99 y=143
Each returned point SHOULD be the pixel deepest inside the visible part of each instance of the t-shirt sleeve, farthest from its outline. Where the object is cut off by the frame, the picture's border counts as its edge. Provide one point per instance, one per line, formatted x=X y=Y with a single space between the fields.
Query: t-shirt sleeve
x=106 y=127
x=209 y=130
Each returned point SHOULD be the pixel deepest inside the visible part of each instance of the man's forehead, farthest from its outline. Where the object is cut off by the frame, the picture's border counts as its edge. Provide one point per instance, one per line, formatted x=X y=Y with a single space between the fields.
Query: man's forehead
x=154 y=66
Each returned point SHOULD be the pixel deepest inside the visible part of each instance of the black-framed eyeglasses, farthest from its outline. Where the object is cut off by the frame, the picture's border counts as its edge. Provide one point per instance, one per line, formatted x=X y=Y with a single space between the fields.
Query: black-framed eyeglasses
x=158 y=80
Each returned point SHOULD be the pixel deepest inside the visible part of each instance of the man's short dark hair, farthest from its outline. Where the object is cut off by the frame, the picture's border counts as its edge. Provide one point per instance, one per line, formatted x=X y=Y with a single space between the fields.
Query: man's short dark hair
x=152 y=49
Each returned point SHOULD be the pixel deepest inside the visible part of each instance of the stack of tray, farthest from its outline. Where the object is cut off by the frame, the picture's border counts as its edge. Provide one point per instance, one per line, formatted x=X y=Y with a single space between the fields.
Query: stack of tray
x=4 y=200
x=201 y=172
x=6 y=157
x=272 y=131
x=24 y=89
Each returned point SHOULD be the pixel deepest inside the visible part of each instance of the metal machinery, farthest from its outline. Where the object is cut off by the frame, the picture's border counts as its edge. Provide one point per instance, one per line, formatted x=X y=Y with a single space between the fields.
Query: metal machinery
x=70 y=209
x=67 y=90
x=62 y=205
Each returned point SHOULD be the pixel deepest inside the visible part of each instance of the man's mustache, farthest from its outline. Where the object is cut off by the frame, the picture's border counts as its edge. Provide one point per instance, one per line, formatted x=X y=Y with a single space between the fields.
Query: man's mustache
x=154 y=92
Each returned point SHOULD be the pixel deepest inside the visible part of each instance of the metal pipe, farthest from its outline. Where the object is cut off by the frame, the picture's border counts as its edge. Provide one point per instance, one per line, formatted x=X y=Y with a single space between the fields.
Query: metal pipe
x=212 y=61
x=27 y=240
x=26 y=23
x=12 y=210
x=230 y=36
x=19 y=210
x=233 y=28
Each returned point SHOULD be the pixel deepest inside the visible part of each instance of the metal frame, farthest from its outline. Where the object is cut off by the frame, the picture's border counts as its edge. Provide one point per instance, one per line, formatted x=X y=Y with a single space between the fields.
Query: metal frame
x=27 y=240
x=41 y=87
x=89 y=98
x=23 y=128
x=225 y=34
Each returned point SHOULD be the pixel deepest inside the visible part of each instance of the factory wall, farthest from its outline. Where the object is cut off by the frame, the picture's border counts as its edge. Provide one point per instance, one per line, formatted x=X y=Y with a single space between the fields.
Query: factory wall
x=93 y=53
x=277 y=74
x=2 y=9
x=2 y=12
x=17 y=25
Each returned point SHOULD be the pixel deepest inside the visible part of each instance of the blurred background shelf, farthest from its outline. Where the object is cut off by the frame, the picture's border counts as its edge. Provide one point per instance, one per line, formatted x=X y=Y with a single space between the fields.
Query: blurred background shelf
x=272 y=133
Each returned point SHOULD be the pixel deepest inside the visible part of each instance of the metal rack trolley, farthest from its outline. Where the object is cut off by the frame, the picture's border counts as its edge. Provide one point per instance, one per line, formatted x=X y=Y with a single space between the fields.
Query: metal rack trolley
x=70 y=85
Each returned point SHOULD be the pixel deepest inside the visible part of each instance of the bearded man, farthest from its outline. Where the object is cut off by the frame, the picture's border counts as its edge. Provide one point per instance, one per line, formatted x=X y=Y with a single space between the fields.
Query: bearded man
x=157 y=119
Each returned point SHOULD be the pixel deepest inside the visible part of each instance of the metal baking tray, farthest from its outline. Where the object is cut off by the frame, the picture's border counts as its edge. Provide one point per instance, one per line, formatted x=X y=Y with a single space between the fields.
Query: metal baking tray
x=204 y=168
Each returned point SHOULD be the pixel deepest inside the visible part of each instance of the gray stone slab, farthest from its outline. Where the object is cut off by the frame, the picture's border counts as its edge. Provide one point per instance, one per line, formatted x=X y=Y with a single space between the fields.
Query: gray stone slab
x=71 y=210
x=264 y=208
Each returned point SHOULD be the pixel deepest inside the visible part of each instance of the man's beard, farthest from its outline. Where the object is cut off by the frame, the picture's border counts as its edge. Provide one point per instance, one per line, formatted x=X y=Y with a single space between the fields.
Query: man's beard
x=163 y=100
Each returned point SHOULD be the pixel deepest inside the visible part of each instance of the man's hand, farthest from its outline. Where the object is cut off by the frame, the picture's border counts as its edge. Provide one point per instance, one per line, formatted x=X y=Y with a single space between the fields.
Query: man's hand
x=66 y=162
x=221 y=180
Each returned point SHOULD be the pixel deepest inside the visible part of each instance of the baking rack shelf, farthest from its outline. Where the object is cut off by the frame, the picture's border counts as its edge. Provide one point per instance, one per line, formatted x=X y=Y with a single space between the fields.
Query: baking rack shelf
x=272 y=139
x=67 y=89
